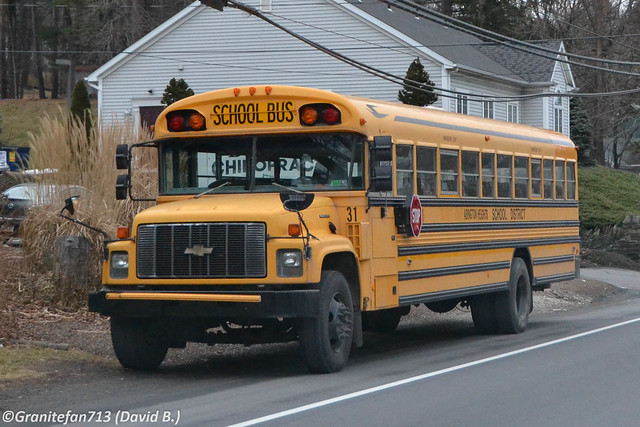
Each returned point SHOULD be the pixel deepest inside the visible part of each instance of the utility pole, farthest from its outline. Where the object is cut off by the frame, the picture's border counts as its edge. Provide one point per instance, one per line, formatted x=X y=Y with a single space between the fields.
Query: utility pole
x=600 y=8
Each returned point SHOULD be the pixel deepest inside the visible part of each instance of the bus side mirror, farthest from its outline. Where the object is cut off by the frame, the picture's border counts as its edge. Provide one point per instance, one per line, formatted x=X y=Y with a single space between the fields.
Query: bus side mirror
x=122 y=187
x=122 y=156
x=296 y=202
x=381 y=169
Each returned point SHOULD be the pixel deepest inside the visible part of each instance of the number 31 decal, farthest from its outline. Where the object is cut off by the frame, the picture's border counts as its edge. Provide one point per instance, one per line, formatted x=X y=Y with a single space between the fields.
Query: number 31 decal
x=352 y=214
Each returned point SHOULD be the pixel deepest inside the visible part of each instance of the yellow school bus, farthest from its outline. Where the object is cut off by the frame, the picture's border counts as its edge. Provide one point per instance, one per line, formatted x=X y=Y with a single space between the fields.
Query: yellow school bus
x=295 y=214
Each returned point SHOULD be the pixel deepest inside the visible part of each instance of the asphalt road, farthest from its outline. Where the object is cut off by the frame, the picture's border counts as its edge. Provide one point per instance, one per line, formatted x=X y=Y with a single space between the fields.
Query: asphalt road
x=569 y=368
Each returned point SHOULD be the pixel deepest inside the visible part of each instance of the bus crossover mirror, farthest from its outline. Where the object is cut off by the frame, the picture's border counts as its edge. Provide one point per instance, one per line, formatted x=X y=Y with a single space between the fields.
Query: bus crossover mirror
x=122 y=187
x=296 y=202
x=122 y=156
x=70 y=205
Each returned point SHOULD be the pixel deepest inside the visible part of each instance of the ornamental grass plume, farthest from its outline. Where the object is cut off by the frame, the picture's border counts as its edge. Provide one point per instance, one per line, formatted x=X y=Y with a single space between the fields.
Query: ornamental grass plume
x=67 y=157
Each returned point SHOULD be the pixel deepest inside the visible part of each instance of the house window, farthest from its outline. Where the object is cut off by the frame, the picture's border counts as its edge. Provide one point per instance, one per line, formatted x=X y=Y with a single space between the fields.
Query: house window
x=462 y=104
x=512 y=112
x=557 y=114
x=487 y=109
x=265 y=6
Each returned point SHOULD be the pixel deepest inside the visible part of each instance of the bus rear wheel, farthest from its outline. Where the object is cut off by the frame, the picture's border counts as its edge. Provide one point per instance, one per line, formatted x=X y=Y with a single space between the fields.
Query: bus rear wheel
x=138 y=343
x=325 y=341
x=514 y=305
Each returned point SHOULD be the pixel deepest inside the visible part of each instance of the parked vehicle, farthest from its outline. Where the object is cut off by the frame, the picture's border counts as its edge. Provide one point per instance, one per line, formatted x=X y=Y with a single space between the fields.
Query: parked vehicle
x=17 y=200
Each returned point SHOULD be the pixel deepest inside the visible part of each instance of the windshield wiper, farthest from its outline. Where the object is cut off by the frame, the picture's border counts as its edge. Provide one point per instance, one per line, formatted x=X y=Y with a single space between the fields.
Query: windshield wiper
x=211 y=190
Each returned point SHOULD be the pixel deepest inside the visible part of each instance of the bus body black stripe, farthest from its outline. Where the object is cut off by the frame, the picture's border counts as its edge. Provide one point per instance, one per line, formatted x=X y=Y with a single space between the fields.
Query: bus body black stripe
x=429 y=228
x=452 y=294
x=553 y=260
x=555 y=278
x=447 y=271
x=462 y=247
x=432 y=202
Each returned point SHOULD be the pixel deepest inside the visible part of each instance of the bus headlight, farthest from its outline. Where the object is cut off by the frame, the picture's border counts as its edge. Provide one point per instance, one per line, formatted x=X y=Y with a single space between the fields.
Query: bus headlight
x=289 y=262
x=119 y=267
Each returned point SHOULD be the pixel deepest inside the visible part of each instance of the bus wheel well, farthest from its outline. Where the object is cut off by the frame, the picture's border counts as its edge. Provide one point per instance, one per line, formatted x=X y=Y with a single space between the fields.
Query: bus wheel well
x=345 y=263
x=525 y=255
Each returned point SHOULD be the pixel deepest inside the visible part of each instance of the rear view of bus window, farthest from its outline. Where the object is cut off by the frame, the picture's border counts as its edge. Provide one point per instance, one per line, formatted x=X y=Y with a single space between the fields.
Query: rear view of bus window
x=404 y=169
x=547 y=168
x=504 y=176
x=426 y=169
x=521 y=172
x=536 y=178
x=488 y=175
x=449 y=172
x=470 y=174
x=571 y=180
x=559 y=179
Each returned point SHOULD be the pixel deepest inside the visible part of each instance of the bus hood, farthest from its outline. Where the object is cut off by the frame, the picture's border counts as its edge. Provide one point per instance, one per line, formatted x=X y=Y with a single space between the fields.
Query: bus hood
x=251 y=207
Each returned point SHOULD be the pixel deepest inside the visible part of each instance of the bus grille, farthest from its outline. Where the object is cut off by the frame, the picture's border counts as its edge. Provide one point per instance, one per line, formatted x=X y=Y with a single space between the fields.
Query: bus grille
x=202 y=250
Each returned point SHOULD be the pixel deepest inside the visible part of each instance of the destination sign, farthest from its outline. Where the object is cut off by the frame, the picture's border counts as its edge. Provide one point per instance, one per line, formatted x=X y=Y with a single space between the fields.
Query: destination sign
x=253 y=113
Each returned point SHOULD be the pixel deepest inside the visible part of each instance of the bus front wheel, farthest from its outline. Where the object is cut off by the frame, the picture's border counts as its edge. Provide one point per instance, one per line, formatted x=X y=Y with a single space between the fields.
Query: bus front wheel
x=325 y=341
x=138 y=343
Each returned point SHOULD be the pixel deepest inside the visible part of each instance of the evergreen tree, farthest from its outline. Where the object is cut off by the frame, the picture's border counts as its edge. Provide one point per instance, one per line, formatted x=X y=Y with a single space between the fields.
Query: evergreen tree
x=581 y=131
x=410 y=94
x=81 y=106
x=175 y=91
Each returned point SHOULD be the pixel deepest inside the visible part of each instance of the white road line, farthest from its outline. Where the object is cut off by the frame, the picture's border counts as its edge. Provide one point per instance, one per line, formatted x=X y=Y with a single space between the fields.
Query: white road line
x=424 y=376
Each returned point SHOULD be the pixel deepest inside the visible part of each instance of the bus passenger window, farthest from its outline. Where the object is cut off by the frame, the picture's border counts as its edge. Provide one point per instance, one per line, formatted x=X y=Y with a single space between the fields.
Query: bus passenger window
x=488 y=175
x=449 y=172
x=559 y=179
x=547 y=168
x=470 y=174
x=426 y=169
x=404 y=169
x=571 y=180
x=521 y=169
x=536 y=178
x=504 y=176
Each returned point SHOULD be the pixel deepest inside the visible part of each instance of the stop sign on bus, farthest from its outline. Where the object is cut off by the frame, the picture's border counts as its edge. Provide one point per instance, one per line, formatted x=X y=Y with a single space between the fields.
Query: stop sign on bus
x=415 y=215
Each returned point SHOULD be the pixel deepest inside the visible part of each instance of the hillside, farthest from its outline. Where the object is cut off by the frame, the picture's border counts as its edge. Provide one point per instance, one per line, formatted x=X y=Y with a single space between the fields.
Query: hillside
x=21 y=117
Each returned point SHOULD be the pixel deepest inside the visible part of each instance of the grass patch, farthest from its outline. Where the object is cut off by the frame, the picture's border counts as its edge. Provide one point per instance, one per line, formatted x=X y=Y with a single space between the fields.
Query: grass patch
x=20 y=117
x=18 y=363
x=607 y=196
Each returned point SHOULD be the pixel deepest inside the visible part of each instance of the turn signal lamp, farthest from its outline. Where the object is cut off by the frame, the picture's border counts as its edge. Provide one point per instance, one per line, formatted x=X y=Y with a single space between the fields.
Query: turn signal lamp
x=309 y=116
x=294 y=230
x=319 y=114
x=196 y=121
x=185 y=120
x=123 y=232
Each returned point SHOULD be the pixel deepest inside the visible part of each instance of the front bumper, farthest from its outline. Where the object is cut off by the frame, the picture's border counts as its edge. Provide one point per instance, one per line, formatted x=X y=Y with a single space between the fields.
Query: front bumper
x=219 y=305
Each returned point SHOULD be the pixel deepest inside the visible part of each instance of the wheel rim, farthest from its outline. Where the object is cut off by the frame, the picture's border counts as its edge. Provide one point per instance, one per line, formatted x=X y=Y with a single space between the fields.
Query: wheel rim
x=339 y=323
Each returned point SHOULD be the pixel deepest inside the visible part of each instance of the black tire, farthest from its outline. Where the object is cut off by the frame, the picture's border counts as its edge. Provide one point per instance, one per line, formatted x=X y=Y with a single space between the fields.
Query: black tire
x=138 y=343
x=514 y=305
x=325 y=341
x=381 y=320
x=483 y=313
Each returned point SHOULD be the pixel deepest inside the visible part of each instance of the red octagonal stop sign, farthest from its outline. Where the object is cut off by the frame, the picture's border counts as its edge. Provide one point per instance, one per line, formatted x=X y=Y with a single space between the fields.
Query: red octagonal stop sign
x=415 y=215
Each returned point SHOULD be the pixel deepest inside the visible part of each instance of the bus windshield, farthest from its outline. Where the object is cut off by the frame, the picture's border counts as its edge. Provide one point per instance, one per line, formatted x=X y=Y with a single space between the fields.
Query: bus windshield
x=304 y=162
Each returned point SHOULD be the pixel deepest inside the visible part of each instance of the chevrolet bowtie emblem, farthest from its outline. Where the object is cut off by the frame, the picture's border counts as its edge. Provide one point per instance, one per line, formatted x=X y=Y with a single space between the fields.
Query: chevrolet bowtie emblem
x=198 y=250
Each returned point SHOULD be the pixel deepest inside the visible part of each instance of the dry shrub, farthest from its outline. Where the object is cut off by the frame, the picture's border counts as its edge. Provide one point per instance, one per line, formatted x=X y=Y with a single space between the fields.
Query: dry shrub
x=63 y=146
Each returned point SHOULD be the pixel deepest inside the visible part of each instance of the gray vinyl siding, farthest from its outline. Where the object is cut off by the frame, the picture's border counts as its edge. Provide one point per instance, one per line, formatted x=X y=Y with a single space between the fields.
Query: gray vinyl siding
x=210 y=52
x=532 y=111
x=474 y=85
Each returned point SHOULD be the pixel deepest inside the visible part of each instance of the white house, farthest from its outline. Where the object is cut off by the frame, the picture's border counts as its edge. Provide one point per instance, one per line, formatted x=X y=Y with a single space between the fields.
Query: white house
x=212 y=49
